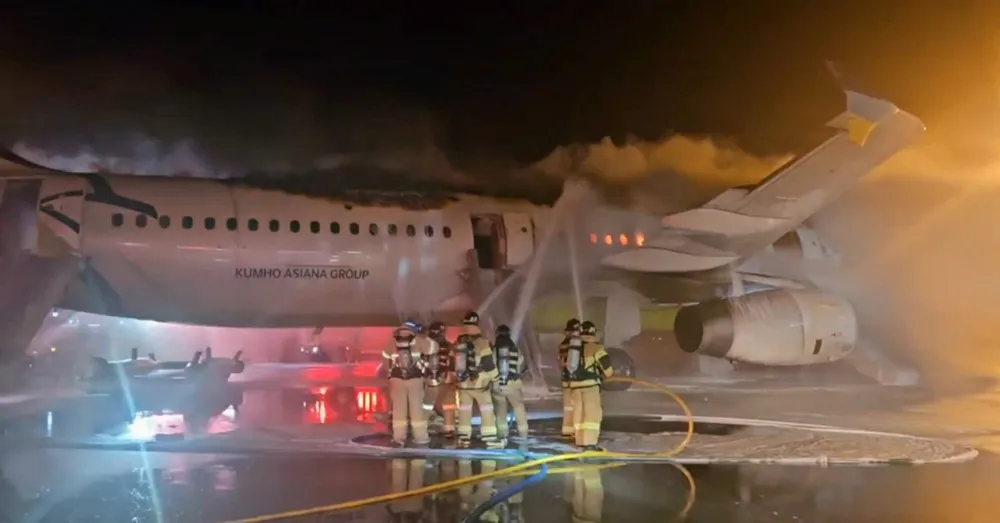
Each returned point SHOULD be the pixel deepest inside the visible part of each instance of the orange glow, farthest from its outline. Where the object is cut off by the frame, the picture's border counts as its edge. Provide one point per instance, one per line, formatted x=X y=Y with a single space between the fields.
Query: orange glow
x=623 y=239
x=608 y=240
x=593 y=238
x=640 y=240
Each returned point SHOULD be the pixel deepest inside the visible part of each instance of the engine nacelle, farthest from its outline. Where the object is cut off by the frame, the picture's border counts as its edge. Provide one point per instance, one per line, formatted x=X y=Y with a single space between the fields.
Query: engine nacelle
x=777 y=327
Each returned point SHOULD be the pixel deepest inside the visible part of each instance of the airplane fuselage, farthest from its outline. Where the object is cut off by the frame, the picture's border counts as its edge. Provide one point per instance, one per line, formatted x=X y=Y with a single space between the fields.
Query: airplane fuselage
x=208 y=252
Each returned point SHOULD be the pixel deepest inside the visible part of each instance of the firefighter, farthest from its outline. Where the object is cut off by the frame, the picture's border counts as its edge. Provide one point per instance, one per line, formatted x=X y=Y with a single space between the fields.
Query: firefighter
x=406 y=387
x=407 y=475
x=508 y=386
x=572 y=337
x=441 y=389
x=475 y=371
x=428 y=350
x=587 y=367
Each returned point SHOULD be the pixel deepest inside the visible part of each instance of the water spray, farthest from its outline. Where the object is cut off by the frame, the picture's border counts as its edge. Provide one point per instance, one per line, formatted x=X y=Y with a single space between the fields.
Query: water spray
x=571 y=195
x=574 y=267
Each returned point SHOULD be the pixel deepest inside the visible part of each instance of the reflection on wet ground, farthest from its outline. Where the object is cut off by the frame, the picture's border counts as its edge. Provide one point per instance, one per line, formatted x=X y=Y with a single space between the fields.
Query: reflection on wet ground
x=63 y=485
x=185 y=488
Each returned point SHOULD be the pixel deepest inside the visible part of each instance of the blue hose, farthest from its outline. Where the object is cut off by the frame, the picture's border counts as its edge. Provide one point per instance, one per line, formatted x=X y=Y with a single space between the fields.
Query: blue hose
x=502 y=496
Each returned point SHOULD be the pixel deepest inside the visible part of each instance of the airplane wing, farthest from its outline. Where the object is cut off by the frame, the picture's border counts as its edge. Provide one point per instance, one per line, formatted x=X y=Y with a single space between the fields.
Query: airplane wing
x=741 y=221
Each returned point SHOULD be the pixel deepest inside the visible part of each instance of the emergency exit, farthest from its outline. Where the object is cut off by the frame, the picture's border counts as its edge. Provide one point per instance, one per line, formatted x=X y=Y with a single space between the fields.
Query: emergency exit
x=503 y=240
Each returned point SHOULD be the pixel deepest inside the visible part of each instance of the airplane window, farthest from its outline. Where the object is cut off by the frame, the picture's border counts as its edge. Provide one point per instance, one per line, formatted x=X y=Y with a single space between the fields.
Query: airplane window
x=355 y=229
x=411 y=230
x=373 y=229
x=446 y=232
x=232 y=224
x=140 y=220
x=117 y=219
x=314 y=227
x=252 y=224
x=187 y=222
x=274 y=225
x=392 y=229
x=429 y=231
x=335 y=227
x=293 y=226
x=164 y=221
x=210 y=223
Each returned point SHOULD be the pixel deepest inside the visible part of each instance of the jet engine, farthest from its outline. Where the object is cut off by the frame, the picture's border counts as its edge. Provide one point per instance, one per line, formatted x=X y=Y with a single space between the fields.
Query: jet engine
x=774 y=327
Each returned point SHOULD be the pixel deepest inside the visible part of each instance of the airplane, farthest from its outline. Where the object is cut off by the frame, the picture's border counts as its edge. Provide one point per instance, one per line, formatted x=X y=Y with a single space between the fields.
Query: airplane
x=264 y=251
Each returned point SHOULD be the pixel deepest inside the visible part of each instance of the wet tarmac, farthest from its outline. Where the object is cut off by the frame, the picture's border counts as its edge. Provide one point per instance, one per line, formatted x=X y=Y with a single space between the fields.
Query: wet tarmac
x=46 y=486
x=44 y=483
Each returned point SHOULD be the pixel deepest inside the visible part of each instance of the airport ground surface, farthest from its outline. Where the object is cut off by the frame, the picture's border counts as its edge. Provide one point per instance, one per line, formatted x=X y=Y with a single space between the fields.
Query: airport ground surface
x=288 y=446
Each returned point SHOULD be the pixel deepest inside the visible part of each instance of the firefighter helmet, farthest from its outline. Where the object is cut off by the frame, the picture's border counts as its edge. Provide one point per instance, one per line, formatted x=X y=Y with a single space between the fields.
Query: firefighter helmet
x=403 y=333
x=503 y=330
x=471 y=318
x=588 y=328
x=414 y=326
x=572 y=325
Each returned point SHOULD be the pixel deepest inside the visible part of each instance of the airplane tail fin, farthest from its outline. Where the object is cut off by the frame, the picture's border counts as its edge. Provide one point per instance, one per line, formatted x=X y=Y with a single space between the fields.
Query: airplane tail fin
x=865 y=135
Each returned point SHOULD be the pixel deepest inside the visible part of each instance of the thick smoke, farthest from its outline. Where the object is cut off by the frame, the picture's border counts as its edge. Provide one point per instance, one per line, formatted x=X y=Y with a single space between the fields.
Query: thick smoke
x=150 y=157
x=176 y=119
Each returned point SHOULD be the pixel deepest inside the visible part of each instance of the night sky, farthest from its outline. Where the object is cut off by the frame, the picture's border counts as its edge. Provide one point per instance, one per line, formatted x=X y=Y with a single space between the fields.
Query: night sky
x=286 y=85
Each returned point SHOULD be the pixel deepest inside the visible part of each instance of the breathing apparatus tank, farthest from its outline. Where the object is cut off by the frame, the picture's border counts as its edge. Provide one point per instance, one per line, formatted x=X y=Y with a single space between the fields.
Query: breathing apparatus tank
x=503 y=360
x=404 y=355
x=434 y=374
x=574 y=356
x=505 y=354
x=464 y=357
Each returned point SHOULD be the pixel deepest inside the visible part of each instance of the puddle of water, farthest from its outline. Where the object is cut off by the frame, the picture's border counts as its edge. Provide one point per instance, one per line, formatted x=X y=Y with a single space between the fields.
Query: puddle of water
x=229 y=488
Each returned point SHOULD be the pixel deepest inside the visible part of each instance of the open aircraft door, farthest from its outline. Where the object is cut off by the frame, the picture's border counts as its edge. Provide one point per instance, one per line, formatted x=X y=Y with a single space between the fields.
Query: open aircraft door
x=519 y=238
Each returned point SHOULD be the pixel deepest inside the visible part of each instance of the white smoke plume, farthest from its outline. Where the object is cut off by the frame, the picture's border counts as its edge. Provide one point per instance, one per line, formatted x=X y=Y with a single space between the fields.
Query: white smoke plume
x=150 y=157
x=699 y=159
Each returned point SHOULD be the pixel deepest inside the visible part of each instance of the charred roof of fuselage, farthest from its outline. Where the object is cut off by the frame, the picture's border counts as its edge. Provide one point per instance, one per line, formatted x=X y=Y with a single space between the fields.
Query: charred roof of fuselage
x=367 y=185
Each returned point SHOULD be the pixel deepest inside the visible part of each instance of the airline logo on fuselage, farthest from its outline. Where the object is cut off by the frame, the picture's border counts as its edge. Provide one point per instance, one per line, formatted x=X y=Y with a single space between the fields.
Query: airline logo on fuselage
x=100 y=192
x=302 y=272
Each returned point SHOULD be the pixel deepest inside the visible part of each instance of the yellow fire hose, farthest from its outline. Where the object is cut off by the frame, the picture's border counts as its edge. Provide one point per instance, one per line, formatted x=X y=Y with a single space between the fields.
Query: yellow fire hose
x=518 y=470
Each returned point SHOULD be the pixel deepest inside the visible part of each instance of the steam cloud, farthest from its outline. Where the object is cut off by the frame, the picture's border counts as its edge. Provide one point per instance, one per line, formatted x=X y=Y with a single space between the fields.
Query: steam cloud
x=920 y=261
